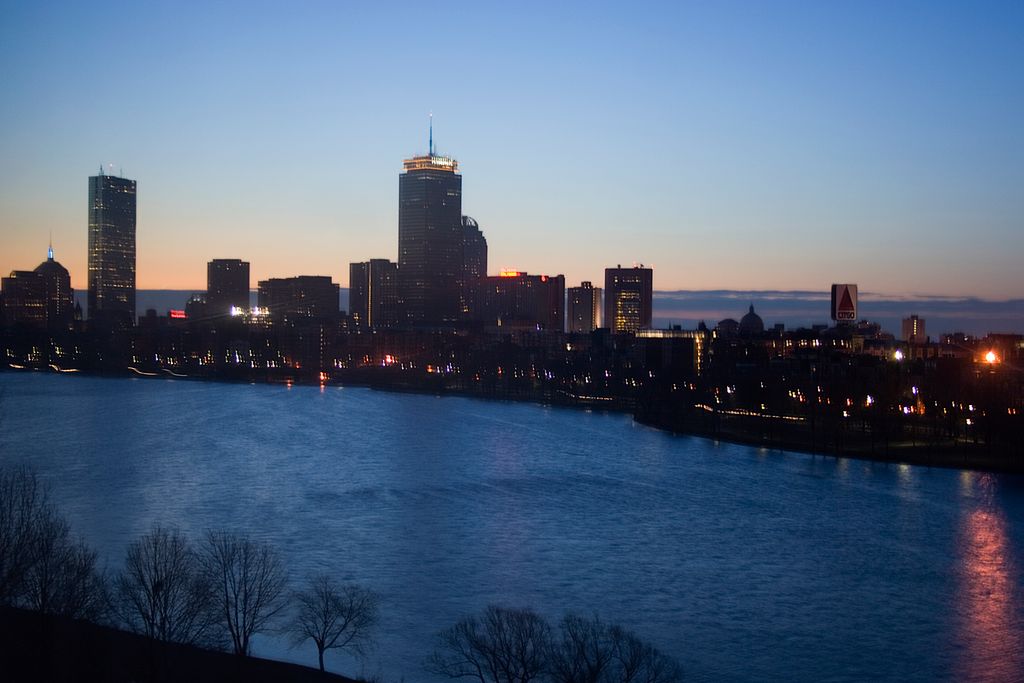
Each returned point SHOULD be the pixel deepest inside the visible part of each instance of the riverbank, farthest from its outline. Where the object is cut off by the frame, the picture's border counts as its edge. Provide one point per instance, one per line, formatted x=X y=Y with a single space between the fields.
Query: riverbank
x=828 y=439
x=783 y=433
x=35 y=647
x=774 y=432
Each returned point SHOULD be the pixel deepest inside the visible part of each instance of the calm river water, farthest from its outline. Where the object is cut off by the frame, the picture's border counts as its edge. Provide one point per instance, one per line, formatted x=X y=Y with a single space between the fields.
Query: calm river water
x=745 y=564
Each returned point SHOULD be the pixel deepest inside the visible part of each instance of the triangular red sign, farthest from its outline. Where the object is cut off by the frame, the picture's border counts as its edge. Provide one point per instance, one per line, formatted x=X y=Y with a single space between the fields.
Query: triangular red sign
x=846 y=303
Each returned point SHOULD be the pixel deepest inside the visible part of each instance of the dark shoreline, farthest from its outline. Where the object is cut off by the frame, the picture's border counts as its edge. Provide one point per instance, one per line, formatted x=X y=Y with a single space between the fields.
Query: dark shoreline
x=38 y=647
x=751 y=431
x=901 y=453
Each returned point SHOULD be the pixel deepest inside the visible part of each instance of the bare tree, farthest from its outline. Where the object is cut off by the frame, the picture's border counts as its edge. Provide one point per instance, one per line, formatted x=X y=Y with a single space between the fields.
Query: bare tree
x=585 y=652
x=62 y=578
x=639 y=662
x=334 y=616
x=162 y=591
x=249 y=584
x=82 y=590
x=590 y=651
x=500 y=646
x=23 y=502
x=48 y=549
x=41 y=568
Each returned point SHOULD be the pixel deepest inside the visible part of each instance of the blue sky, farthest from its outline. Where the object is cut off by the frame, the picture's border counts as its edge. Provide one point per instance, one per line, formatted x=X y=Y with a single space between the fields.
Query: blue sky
x=731 y=145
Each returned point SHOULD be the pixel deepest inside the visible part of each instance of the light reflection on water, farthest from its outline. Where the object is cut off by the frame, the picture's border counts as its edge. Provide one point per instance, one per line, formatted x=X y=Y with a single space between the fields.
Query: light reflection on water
x=991 y=590
x=747 y=564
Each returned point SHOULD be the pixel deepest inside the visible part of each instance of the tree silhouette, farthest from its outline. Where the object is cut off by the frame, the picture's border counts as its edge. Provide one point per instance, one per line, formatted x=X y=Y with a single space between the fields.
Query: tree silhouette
x=500 y=646
x=249 y=584
x=585 y=652
x=23 y=502
x=516 y=646
x=333 y=616
x=162 y=591
x=62 y=578
x=640 y=662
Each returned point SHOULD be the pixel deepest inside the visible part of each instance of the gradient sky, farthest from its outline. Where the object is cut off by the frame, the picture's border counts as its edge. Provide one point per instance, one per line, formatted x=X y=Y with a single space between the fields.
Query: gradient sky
x=755 y=145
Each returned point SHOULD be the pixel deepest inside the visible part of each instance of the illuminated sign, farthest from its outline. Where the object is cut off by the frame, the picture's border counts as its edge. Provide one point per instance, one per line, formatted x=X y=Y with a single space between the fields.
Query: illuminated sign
x=844 y=303
x=253 y=312
x=177 y=315
x=511 y=273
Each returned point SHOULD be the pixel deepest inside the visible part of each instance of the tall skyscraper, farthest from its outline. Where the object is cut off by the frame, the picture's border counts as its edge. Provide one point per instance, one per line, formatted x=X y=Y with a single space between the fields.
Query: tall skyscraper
x=227 y=286
x=111 y=249
x=430 y=239
x=474 y=260
x=373 y=293
x=584 y=308
x=627 y=298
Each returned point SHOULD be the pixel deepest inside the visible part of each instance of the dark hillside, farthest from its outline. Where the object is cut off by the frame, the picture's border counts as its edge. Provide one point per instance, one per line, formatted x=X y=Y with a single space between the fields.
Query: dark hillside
x=34 y=648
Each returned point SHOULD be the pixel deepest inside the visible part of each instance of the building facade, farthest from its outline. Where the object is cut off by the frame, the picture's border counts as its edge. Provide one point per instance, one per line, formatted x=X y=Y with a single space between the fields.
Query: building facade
x=914 y=330
x=516 y=299
x=227 y=286
x=303 y=296
x=474 y=260
x=584 y=308
x=373 y=293
x=111 y=249
x=430 y=240
x=628 y=296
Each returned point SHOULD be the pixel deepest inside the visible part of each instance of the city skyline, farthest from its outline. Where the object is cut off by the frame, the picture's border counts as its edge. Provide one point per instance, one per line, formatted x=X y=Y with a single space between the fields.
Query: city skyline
x=730 y=147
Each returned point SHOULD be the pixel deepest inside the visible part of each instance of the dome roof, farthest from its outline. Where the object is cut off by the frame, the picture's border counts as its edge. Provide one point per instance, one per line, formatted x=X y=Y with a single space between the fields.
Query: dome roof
x=727 y=327
x=51 y=267
x=751 y=323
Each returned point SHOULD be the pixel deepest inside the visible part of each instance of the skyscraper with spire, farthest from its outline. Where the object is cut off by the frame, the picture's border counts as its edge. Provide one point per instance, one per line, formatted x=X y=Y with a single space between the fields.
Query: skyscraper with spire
x=111 y=249
x=39 y=298
x=430 y=239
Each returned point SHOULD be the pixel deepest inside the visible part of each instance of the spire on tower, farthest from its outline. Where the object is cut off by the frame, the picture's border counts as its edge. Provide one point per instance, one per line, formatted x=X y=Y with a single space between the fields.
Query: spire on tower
x=49 y=250
x=431 y=133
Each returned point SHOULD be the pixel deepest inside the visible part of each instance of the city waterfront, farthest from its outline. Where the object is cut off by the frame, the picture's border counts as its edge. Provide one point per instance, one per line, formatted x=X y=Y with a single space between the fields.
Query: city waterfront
x=745 y=564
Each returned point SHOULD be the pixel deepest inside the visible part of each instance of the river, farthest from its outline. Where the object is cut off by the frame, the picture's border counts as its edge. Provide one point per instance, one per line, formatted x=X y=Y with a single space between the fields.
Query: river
x=744 y=564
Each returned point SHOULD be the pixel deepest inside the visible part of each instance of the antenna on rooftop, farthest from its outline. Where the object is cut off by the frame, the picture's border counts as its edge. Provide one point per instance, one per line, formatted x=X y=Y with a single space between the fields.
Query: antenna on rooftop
x=49 y=250
x=431 y=133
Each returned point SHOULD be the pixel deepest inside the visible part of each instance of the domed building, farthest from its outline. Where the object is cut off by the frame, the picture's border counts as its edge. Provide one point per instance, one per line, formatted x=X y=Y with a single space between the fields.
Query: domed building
x=751 y=324
x=727 y=329
x=41 y=298
x=60 y=298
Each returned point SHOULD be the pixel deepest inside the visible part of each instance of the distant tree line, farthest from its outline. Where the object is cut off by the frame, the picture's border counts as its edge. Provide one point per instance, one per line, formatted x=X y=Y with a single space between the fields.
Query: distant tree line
x=221 y=591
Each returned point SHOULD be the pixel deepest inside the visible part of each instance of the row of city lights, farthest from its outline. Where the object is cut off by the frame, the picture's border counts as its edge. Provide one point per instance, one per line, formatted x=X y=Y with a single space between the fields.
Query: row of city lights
x=990 y=357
